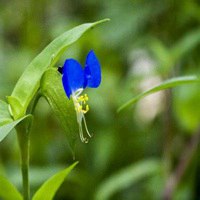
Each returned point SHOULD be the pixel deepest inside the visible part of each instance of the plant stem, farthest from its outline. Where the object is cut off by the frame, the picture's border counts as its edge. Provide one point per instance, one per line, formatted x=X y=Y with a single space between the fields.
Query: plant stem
x=23 y=138
x=23 y=134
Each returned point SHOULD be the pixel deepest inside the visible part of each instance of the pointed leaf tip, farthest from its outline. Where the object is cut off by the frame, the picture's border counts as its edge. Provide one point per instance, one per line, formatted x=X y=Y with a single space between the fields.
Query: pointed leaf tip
x=48 y=190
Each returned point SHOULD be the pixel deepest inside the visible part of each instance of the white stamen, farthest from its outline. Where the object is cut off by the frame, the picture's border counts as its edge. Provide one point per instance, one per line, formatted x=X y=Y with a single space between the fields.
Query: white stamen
x=90 y=135
x=80 y=114
x=77 y=93
x=83 y=139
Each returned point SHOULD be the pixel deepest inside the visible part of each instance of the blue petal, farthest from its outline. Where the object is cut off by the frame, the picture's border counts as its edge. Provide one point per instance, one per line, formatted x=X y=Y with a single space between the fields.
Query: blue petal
x=66 y=86
x=73 y=76
x=92 y=71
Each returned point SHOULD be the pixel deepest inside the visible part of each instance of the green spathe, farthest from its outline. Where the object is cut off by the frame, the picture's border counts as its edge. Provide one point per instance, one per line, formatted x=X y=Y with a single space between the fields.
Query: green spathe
x=52 y=90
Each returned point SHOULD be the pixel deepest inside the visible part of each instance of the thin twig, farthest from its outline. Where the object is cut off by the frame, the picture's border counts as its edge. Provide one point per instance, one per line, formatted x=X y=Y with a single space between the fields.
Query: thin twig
x=168 y=132
x=184 y=162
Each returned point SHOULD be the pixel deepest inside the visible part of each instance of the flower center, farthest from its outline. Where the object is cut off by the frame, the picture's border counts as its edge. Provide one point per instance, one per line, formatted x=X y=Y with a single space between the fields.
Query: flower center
x=81 y=105
x=81 y=108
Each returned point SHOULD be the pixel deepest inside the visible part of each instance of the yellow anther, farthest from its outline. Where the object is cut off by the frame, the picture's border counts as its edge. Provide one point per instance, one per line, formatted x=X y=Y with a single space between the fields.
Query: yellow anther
x=80 y=99
x=86 y=97
x=83 y=98
x=79 y=108
x=86 y=109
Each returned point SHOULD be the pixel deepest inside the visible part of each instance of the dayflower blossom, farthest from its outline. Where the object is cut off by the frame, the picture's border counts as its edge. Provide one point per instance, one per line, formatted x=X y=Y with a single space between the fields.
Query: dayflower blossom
x=75 y=79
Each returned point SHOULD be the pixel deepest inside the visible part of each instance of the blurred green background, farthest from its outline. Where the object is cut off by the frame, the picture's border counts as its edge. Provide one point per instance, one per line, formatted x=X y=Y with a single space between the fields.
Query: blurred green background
x=143 y=152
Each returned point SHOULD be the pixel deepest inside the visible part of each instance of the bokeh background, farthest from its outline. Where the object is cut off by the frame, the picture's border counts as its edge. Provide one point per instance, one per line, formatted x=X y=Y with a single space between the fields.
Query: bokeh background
x=148 y=151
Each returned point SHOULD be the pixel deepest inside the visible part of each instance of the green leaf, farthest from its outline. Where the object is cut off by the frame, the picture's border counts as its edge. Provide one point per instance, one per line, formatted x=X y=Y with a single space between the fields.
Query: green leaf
x=163 y=86
x=48 y=190
x=5 y=129
x=52 y=90
x=4 y=113
x=8 y=190
x=126 y=177
x=28 y=84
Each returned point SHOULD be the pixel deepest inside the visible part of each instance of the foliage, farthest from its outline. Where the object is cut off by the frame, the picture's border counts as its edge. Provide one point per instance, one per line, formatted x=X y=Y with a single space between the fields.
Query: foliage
x=148 y=47
x=13 y=114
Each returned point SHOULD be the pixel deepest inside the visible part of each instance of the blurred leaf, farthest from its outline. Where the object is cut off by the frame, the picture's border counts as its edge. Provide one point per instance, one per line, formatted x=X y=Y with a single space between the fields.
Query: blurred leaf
x=28 y=83
x=50 y=187
x=186 y=107
x=186 y=44
x=38 y=174
x=5 y=129
x=4 y=113
x=168 y=56
x=163 y=86
x=8 y=190
x=126 y=177
x=52 y=90
x=162 y=54
x=160 y=50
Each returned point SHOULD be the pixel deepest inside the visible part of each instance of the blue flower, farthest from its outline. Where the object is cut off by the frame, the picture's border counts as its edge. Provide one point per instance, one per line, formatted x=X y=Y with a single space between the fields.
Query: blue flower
x=75 y=79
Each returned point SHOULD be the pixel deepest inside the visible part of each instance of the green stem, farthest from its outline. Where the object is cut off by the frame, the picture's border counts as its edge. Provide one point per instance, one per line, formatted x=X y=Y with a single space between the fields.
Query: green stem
x=23 y=134
x=23 y=138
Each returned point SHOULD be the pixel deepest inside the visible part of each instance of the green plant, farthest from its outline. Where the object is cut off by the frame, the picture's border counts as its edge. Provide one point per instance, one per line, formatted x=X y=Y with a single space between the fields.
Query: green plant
x=40 y=79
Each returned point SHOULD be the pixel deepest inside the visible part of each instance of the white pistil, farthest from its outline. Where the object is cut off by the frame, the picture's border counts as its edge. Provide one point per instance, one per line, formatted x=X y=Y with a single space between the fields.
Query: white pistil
x=81 y=108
